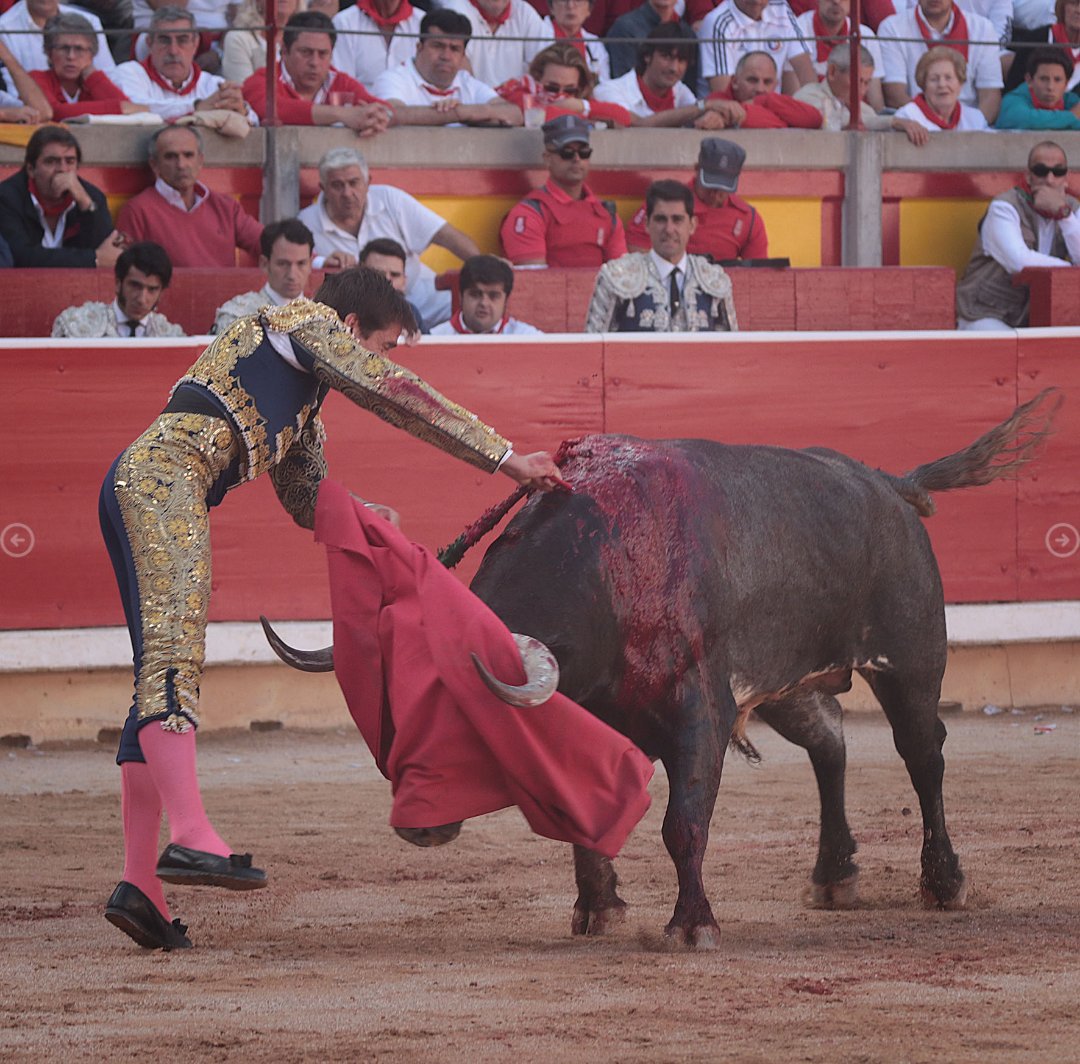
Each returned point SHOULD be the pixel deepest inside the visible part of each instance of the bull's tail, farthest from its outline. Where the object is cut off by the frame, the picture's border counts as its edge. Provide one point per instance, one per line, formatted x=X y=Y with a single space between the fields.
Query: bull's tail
x=998 y=453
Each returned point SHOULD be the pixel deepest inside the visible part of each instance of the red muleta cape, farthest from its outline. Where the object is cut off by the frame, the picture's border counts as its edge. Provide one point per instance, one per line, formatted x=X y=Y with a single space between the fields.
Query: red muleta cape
x=403 y=630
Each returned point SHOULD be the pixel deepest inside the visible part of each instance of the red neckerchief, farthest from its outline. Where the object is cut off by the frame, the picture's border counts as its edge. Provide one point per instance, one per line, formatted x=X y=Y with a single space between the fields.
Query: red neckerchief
x=1059 y=106
x=1058 y=32
x=464 y=330
x=657 y=103
x=1026 y=193
x=498 y=20
x=941 y=123
x=384 y=22
x=53 y=210
x=824 y=47
x=959 y=31
x=167 y=85
x=577 y=42
x=515 y=89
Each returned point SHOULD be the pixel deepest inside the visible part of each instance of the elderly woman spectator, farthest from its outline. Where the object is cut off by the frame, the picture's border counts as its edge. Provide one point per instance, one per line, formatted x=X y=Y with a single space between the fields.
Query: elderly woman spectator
x=566 y=23
x=71 y=84
x=244 y=47
x=940 y=75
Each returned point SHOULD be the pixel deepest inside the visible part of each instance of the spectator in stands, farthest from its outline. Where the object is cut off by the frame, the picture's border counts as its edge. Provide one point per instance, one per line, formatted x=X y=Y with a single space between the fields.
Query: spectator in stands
x=375 y=35
x=1064 y=32
x=1043 y=101
x=560 y=82
x=286 y=251
x=388 y=257
x=22 y=24
x=30 y=106
x=831 y=97
x=739 y=26
x=940 y=74
x=629 y=30
x=502 y=35
x=563 y=223
x=485 y=284
x=310 y=92
x=350 y=211
x=72 y=85
x=566 y=22
x=168 y=81
x=654 y=89
x=143 y=272
x=50 y=216
x=824 y=26
x=197 y=227
x=434 y=89
x=726 y=226
x=243 y=49
x=664 y=289
x=1034 y=223
x=906 y=36
x=752 y=90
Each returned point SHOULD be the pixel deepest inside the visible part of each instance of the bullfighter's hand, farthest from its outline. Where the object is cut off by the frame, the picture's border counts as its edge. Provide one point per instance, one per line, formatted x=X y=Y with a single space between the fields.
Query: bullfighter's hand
x=385 y=512
x=536 y=470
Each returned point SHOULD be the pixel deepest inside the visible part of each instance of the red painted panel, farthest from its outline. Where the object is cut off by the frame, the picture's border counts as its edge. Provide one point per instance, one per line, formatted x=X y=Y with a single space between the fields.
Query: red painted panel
x=897 y=298
x=941 y=184
x=1048 y=527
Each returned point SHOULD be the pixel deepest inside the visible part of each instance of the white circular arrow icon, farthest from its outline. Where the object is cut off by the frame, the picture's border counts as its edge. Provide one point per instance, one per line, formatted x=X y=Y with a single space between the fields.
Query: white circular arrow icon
x=17 y=540
x=1062 y=540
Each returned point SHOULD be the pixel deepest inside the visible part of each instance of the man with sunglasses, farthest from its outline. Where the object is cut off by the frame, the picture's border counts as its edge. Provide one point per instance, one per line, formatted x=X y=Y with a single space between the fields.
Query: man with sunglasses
x=563 y=223
x=1032 y=224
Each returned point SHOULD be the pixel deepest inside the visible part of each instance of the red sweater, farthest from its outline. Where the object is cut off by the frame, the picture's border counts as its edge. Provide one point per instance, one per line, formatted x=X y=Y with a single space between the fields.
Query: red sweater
x=773 y=110
x=514 y=91
x=97 y=95
x=208 y=236
x=292 y=108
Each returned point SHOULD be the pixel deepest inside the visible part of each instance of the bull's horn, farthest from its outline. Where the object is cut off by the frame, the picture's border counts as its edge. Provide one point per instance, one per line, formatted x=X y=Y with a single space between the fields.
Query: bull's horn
x=541 y=671
x=304 y=660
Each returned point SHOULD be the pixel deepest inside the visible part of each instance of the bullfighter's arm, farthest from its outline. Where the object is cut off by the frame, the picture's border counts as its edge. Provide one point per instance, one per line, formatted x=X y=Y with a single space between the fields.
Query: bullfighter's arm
x=297 y=476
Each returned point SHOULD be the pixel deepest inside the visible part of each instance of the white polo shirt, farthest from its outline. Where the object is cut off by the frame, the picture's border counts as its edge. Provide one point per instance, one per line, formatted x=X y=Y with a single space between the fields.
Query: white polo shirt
x=596 y=55
x=626 y=92
x=901 y=57
x=999 y=12
x=132 y=79
x=971 y=119
x=495 y=55
x=28 y=48
x=406 y=84
x=365 y=55
x=869 y=42
x=726 y=35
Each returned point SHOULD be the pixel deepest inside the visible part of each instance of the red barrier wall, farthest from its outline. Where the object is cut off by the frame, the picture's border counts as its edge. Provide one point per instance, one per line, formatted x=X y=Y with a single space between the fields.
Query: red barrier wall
x=891 y=401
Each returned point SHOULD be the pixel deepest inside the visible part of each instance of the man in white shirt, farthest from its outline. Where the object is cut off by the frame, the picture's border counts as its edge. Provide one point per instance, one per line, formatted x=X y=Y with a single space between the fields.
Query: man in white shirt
x=168 y=81
x=740 y=26
x=433 y=89
x=567 y=23
x=31 y=15
x=905 y=37
x=373 y=36
x=503 y=32
x=831 y=20
x=143 y=272
x=485 y=284
x=286 y=252
x=350 y=211
x=1033 y=224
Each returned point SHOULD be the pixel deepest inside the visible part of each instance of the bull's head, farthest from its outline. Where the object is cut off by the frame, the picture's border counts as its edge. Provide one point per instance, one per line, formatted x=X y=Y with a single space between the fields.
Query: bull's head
x=541 y=668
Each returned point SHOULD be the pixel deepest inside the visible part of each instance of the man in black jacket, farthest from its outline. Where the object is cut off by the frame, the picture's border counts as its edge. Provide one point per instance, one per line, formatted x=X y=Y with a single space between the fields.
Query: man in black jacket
x=50 y=216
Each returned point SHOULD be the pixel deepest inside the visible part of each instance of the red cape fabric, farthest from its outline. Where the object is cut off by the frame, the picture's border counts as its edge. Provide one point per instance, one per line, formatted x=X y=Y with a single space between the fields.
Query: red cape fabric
x=403 y=630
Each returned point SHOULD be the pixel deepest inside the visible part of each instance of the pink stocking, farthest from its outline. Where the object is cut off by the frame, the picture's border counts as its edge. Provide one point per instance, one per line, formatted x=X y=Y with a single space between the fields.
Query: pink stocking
x=141 y=807
x=170 y=757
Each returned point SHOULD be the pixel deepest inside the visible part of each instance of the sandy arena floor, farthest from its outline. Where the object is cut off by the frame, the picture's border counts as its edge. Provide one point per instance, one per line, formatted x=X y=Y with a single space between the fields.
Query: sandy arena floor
x=365 y=948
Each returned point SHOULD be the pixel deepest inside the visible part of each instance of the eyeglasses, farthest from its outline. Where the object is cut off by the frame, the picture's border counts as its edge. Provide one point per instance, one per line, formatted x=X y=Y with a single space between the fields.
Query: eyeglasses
x=1042 y=170
x=72 y=49
x=553 y=88
x=181 y=40
x=584 y=152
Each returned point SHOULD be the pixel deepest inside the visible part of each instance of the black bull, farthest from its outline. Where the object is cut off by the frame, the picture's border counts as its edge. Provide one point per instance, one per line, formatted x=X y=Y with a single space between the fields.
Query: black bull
x=685 y=583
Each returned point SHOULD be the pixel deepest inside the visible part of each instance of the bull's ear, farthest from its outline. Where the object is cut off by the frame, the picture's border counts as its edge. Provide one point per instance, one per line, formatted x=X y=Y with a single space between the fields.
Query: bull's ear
x=304 y=660
x=541 y=672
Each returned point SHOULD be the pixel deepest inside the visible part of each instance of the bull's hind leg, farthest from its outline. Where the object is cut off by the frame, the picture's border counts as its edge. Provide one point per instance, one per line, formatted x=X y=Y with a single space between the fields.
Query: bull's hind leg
x=919 y=735
x=813 y=720
x=598 y=906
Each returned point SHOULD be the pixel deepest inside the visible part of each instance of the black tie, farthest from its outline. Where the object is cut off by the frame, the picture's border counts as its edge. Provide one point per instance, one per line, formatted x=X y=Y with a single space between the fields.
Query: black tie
x=131 y=327
x=676 y=295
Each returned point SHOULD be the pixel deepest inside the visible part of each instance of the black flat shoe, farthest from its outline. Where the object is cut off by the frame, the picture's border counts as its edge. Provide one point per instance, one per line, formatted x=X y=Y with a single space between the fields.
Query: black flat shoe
x=136 y=915
x=196 y=868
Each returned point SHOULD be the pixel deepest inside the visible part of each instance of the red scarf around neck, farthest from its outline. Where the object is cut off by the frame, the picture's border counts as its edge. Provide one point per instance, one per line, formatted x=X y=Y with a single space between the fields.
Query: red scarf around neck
x=958 y=33
x=1059 y=106
x=824 y=47
x=157 y=79
x=498 y=20
x=460 y=326
x=385 y=22
x=953 y=120
x=1060 y=36
x=1025 y=189
x=577 y=42
x=50 y=210
x=656 y=103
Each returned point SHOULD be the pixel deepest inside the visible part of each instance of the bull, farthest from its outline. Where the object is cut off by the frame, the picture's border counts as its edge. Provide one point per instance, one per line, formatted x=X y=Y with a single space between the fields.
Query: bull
x=685 y=584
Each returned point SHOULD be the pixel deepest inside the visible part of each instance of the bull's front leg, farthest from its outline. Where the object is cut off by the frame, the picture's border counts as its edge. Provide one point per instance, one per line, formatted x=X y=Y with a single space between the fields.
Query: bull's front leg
x=598 y=907
x=694 y=761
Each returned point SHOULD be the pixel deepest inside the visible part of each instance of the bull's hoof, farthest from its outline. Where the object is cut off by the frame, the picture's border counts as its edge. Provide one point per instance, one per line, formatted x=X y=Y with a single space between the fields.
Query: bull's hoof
x=843 y=894
x=699 y=937
x=953 y=900
x=437 y=836
x=597 y=921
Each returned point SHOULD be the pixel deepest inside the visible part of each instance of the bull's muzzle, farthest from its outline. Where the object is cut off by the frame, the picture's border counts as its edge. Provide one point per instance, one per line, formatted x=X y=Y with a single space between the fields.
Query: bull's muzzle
x=541 y=668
